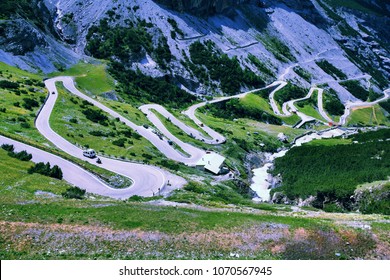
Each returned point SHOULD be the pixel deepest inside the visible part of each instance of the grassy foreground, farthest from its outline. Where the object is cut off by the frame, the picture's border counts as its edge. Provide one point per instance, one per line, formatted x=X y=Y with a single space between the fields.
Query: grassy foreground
x=37 y=223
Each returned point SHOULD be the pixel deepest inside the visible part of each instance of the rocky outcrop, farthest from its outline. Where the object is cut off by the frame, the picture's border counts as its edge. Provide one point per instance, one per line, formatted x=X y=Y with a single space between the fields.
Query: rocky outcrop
x=203 y=8
x=25 y=45
x=304 y=8
x=20 y=37
x=373 y=199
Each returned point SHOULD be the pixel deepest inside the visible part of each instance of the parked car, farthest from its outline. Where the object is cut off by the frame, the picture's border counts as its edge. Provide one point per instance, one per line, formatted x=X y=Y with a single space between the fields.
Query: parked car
x=89 y=153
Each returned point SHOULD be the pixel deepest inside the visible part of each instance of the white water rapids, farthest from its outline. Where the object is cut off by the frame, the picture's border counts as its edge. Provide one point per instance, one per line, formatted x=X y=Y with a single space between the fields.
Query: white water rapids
x=261 y=181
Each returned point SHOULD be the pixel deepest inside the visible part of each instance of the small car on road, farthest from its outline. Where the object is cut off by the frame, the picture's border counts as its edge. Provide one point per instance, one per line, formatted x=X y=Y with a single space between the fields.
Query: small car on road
x=89 y=153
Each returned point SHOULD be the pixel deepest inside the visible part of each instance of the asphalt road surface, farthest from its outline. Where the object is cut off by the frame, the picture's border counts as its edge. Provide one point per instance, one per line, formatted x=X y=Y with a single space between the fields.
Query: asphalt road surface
x=147 y=180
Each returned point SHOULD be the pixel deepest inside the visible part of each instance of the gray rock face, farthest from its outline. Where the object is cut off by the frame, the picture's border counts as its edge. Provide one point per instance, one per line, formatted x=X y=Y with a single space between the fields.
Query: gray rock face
x=203 y=7
x=304 y=8
x=54 y=35
x=22 y=44
x=19 y=37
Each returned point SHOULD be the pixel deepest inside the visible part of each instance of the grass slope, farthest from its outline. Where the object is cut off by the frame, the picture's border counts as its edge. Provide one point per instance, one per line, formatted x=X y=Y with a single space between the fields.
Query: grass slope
x=91 y=78
x=68 y=120
x=368 y=117
x=15 y=117
x=51 y=227
x=17 y=185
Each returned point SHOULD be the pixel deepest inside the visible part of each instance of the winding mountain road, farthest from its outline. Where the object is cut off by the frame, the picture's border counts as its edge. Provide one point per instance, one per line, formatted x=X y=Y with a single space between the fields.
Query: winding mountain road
x=290 y=104
x=77 y=176
x=320 y=105
x=217 y=138
x=147 y=180
x=195 y=154
x=272 y=102
x=147 y=133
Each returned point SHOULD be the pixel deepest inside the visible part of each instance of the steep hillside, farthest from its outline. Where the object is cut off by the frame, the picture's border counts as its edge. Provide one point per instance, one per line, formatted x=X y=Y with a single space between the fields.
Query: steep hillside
x=203 y=8
x=269 y=38
x=244 y=121
x=29 y=39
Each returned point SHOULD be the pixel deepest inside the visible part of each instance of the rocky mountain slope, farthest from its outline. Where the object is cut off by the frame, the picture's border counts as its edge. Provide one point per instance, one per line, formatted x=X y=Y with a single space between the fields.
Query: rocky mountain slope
x=203 y=8
x=273 y=38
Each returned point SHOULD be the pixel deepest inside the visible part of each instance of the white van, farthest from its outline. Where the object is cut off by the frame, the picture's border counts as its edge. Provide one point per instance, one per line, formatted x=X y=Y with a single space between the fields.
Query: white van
x=89 y=153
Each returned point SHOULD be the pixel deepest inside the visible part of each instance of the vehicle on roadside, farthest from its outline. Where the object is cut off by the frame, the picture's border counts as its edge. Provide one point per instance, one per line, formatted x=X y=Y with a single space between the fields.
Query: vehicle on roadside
x=90 y=153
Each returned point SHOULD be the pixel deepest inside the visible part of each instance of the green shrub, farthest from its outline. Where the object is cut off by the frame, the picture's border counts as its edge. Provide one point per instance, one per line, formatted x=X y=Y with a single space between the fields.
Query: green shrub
x=85 y=104
x=289 y=92
x=127 y=133
x=170 y=164
x=29 y=103
x=380 y=134
x=105 y=41
x=73 y=120
x=74 y=193
x=139 y=88
x=332 y=103
x=122 y=45
x=375 y=200
x=331 y=70
x=100 y=133
x=136 y=198
x=260 y=65
x=330 y=172
x=227 y=71
x=163 y=53
x=46 y=170
x=136 y=136
x=372 y=95
x=119 y=142
x=333 y=208
x=23 y=155
x=96 y=116
x=56 y=172
x=280 y=50
x=385 y=105
x=8 y=84
x=25 y=125
x=233 y=109
x=356 y=89
x=303 y=73
x=194 y=187
x=175 y=27
x=147 y=156
x=7 y=147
